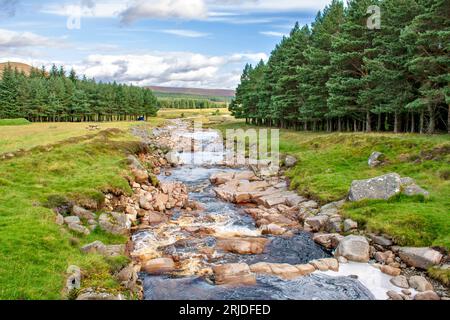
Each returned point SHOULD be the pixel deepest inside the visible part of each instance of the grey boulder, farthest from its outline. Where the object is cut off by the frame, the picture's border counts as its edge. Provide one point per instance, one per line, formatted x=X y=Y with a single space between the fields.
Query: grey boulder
x=379 y=188
x=354 y=248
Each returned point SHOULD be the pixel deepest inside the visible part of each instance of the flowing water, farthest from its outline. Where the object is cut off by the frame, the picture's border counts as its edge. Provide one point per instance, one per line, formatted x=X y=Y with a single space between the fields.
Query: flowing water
x=226 y=219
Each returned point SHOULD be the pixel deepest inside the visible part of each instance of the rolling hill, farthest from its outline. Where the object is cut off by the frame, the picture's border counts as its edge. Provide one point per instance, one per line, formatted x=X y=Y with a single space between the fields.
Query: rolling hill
x=20 y=66
x=194 y=91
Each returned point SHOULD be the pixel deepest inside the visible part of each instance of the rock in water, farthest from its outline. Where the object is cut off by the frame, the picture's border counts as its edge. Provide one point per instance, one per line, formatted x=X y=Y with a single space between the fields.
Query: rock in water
x=243 y=245
x=400 y=281
x=282 y=270
x=421 y=258
x=354 y=248
x=234 y=274
x=375 y=159
x=381 y=188
x=159 y=266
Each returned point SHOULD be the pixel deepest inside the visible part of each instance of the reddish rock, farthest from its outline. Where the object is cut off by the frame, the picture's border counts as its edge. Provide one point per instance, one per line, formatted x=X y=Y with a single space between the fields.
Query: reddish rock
x=243 y=245
x=159 y=266
x=234 y=274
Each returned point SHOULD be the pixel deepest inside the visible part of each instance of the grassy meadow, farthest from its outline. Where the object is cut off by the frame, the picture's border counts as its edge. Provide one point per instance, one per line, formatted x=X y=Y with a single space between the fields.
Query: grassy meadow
x=26 y=137
x=329 y=162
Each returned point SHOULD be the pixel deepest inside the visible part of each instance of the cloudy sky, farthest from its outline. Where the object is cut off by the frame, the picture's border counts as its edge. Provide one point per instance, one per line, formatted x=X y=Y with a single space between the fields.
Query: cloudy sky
x=195 y=43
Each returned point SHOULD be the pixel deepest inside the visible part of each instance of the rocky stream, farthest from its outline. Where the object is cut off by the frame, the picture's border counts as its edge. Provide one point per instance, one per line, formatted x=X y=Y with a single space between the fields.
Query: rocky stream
x=204 y=230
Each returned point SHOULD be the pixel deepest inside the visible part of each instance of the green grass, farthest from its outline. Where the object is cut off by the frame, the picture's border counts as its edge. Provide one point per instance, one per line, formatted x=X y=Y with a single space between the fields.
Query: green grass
x=14 y=122
x=34 y=251
x=328 y=163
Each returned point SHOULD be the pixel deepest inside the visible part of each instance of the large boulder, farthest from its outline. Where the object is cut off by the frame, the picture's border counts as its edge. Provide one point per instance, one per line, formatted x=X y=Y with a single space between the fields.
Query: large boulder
x=115 y=223
x=234 y=274
x=354 y=248
x=381 y=188
x=243 y=245
x=421 y=258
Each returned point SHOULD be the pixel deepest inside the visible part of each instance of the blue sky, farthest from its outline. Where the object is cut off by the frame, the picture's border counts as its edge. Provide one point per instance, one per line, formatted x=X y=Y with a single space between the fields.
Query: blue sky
x=196 y=43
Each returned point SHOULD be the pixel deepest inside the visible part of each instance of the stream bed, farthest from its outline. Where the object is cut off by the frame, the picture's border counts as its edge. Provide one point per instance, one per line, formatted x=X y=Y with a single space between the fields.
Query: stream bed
x=354 y=281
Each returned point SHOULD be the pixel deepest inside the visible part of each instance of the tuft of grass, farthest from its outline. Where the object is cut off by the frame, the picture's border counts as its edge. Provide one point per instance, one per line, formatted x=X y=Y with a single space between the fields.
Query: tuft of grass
x=35 y=252
x=329 y=162
x=14 y=122
x=440 y=274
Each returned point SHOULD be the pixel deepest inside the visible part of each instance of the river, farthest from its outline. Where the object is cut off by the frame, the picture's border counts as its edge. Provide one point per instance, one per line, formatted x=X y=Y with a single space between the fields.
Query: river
x=354 y=281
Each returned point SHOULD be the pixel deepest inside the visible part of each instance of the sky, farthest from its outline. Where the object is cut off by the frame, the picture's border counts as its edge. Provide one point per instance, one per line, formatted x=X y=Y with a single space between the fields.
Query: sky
x=181 y=43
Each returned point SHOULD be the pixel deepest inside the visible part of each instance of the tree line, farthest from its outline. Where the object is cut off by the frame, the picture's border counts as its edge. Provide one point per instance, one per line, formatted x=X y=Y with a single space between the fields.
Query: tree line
x=56 y=95
x=177 y=103
x=339 y=75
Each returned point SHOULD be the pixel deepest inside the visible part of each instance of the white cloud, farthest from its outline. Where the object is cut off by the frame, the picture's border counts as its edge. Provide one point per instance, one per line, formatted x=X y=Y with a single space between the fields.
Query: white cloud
x=169 y=68
x=15 y=39
x=186 y=33
x=272 y=33
x=165 y=9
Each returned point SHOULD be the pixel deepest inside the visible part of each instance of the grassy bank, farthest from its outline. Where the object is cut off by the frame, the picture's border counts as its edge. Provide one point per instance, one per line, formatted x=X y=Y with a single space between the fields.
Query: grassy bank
x=328 y=163
x=35 y=252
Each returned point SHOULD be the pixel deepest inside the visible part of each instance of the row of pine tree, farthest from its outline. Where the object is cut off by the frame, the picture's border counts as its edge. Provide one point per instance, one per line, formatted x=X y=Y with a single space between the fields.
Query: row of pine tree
x=57 y=96
x=176 y=103
x=339 y=75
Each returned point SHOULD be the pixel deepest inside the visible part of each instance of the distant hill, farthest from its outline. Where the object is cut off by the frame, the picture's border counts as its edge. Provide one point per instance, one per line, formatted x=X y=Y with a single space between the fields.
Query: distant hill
x=20 y=66
x=194 y=91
